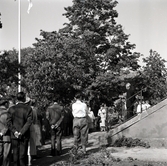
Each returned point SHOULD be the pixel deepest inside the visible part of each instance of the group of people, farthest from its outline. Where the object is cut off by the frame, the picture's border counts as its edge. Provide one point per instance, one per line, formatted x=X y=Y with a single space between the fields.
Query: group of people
x=131 y=103
x=15 y=123
x=82 y=122
x=20 y=120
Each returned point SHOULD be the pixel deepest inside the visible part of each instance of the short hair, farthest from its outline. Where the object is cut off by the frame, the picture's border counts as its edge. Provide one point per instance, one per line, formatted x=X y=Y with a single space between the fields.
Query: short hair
x=55 y=98
x=21 y=96
x=3 y=101
x=33 y=102
x=128 y=84
x=78 y=96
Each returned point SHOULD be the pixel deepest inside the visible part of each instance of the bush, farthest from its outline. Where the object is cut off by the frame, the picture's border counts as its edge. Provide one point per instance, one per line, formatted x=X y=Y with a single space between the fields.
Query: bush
x=130 y=142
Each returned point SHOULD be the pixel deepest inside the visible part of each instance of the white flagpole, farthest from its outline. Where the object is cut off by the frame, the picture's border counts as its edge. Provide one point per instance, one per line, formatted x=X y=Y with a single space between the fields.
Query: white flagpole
x=19 y=44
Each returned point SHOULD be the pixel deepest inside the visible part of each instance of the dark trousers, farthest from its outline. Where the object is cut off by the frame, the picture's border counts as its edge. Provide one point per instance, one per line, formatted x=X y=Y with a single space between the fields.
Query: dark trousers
x=5 y=153
x=130 y=111
x=56 y=135
x=20 y=148
x=66 y=129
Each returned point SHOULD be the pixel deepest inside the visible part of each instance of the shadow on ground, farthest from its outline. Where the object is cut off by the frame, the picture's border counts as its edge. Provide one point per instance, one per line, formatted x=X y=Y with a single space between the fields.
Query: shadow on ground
x=46 y=159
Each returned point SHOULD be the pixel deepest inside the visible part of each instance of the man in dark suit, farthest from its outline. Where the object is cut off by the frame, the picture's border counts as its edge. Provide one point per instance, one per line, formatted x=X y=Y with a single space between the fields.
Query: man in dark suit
x=5 y=142
x=130 y=100
x=55 y=115
x=19 y=121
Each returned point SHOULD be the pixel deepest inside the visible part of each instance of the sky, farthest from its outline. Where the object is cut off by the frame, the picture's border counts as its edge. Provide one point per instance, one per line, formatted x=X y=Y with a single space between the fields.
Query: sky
x=144 y=20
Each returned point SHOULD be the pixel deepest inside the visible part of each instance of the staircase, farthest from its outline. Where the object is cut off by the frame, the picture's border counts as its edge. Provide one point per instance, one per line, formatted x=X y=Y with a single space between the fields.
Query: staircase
x=149 y=126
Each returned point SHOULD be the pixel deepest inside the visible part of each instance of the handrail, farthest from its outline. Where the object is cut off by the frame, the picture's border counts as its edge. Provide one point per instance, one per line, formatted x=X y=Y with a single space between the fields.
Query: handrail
x=149 y=108
x=121 y=114
x=136 y=93
x=135 y=121
x=140 y=92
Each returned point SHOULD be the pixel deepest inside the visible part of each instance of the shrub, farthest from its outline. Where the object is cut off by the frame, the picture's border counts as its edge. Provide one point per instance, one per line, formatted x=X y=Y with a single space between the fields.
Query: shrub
x=130 y=142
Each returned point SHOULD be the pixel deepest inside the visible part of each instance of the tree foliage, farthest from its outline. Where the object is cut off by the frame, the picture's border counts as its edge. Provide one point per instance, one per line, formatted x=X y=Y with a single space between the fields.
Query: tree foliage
x=9 y=71
x=154 y=75
x=94 y=22
x=90 y=54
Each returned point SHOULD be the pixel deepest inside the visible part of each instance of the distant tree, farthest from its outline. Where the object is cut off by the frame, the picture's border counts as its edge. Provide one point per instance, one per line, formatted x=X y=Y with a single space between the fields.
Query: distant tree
x=9 y=71
x=154 y=75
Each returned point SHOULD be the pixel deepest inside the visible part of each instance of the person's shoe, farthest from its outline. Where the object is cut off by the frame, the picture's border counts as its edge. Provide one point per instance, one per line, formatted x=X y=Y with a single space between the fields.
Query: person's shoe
x=58 y=153
x=53 y=152
x=84 y=152
x=84 y=149
x=74 y=150
x=34 y=157
x=29 y=160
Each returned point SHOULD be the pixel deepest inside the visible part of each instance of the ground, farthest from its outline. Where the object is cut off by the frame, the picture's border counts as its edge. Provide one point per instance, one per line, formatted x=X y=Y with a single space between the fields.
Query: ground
x=114 y=156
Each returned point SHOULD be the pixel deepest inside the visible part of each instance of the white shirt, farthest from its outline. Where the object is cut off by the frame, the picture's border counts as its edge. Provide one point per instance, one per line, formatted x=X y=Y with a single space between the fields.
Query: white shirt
x=91 y=115
x=142 y=107
x=79 y=109
x=139 y=109
x=101 y=111
x=146 y=106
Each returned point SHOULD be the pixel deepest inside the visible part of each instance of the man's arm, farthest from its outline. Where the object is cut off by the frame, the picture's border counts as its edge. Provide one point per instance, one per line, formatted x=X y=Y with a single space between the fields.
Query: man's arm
x=9 y=121
x=87 y=110
x=60 y=120
x=28 y=122
x=3 y=123
x=47 y=115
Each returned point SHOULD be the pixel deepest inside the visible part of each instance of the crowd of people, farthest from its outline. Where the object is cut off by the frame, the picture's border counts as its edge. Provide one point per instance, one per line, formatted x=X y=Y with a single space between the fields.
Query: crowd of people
x=15 y=122
x=23 y=130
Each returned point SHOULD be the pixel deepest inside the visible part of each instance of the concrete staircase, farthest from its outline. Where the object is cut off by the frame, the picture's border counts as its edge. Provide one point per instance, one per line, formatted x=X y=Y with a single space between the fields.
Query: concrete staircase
x=149 y=126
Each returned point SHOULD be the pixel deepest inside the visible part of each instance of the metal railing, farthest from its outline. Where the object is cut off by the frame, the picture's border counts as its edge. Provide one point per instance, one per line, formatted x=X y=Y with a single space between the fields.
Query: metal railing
x=140 y=100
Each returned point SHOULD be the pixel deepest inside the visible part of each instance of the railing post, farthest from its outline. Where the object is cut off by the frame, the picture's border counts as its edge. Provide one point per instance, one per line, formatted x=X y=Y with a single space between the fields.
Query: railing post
x=141 y=100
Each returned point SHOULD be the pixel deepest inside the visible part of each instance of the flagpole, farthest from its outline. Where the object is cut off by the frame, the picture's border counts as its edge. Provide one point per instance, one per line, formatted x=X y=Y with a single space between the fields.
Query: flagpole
x=19 y=44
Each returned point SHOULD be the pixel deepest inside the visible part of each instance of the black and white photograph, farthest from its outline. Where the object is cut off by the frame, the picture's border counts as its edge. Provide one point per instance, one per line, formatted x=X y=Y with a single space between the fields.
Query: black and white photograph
x=83 y=83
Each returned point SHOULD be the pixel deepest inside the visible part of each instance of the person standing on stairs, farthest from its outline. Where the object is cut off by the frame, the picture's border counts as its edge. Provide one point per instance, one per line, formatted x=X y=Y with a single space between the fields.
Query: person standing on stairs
x=130 y=100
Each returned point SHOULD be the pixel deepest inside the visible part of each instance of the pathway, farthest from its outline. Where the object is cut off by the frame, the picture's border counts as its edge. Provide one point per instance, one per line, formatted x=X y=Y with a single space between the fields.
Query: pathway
x=140 y=153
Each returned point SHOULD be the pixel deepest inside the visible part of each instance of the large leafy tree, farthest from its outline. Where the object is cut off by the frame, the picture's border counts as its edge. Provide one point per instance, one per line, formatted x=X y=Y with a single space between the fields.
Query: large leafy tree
x=87 y=55
x=42 y=76
x=50 y=72
x=95 y=23
x=60 y=65
x=91 y=54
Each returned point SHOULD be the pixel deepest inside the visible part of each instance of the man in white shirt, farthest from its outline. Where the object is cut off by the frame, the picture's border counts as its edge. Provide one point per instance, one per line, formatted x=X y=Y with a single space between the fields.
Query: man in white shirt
x=80 y=122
